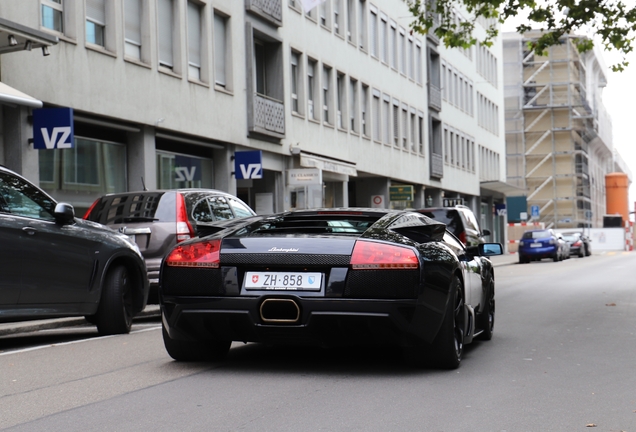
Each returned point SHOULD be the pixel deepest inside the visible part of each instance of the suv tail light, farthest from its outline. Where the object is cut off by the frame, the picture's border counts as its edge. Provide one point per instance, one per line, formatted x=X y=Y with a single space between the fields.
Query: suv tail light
x=462 y=237
x=371 y=255
x=184 y=228
x=577 y=243
x=90 y=209
x=200 y=254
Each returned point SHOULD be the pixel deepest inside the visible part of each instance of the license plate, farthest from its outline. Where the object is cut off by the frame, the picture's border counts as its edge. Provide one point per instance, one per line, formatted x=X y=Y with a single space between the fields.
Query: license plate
x=535 y=244
x=287 y=281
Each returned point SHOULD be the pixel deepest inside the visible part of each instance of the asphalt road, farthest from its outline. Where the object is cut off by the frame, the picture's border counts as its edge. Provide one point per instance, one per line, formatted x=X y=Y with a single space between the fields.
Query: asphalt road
x=561 y=360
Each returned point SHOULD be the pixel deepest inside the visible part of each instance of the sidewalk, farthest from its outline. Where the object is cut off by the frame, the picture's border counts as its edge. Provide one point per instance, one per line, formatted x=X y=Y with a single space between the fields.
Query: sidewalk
x=505 y=259
x=30 y=326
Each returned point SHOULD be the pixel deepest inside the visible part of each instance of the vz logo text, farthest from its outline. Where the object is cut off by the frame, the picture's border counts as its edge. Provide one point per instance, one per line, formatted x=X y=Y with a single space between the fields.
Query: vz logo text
x=52 y=141
x=252 y=171
x=185 y=173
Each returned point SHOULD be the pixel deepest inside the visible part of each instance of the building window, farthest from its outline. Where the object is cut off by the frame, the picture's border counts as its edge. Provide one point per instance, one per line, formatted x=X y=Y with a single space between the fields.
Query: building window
x=326 y=94
x=384 y=40
x=396 y=124
x=377 y=116
x=221 y=52
x=194 y=41
x=420 y=133
x=95 y=22
x=402 y=49
x=413 y=132
x=393 y=45
x=132 y=28
x=165 y=29
x=260 y=56
x=324 y=14
x=341 y=100
x=294 y=81
x=411 y=63
x=364 y=110
x=386 y=119
x=311 y=89
x=351 y=21
x=418 y=62
x=373 y=32
x=362 y=25
x=353 y=105
x=405 y=128
x=53 y=15
x=337 y=14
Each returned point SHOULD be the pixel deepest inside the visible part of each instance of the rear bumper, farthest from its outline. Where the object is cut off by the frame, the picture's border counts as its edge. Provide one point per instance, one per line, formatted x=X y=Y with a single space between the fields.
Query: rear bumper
x=542 y=252
x=322 y=321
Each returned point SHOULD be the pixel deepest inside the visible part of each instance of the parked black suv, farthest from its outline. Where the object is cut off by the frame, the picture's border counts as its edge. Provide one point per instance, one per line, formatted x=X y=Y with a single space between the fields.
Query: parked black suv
x=461 y=221
x=56 y=265
x=158 y=220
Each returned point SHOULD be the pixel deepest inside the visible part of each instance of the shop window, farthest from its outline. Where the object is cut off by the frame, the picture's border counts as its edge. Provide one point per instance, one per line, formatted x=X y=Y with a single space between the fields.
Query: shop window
x=81 y=174
x=176 y=171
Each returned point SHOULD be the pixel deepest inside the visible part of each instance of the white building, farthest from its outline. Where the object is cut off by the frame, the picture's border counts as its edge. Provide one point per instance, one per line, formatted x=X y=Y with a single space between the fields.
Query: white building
x=165 y=93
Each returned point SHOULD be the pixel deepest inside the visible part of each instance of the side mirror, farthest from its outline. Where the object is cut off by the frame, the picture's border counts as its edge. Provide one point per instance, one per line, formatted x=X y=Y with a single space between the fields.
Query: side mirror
x=485 y=232
x=64 y=213
x=490 y=249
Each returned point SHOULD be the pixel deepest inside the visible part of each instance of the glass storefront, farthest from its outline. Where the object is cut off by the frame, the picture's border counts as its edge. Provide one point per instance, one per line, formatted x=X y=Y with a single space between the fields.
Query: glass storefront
x=82 y=174
x=176 y=171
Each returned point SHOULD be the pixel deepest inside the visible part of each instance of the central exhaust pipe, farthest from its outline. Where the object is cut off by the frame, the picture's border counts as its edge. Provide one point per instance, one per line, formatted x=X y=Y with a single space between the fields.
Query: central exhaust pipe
x=279 y=311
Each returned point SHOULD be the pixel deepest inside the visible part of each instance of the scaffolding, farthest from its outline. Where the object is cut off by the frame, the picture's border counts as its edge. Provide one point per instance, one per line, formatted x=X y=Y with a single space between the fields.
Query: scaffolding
x=550 y=128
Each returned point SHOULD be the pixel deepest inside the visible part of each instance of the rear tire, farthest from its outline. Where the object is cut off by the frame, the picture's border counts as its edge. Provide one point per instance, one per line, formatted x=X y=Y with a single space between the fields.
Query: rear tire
x=448 y=346
x=115 y=311
x=181 y=350
x=555 y=258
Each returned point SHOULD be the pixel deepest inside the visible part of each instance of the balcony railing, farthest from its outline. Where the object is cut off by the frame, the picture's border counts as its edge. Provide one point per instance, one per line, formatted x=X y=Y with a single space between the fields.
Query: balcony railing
x=271 y=10
x=434 y=97
x=269 y=116
x=437 y=165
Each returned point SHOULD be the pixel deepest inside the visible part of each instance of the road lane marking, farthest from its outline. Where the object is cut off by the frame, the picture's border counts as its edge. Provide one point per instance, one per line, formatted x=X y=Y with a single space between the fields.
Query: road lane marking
x=74 y=342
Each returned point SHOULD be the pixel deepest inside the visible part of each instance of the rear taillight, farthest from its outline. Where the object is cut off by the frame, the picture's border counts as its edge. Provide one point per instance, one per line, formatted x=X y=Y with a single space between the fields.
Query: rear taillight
x=184 y=229
x=90 y=209
x=577 y=243
x=371 y=255
x=201 y=254
x=462 y=237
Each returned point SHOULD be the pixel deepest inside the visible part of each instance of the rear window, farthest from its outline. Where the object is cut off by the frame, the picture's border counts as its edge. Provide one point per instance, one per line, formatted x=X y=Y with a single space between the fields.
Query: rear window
x=449 y=217
x=118 y=209
x=342 y=224
x=536 y=234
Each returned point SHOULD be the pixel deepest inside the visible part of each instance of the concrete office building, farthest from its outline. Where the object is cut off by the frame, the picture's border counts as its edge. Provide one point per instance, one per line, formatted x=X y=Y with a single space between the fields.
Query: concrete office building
x=166 y=93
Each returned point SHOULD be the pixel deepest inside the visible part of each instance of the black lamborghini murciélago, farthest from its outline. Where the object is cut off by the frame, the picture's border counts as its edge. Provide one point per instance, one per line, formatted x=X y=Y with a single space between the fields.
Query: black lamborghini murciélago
x=329 y=277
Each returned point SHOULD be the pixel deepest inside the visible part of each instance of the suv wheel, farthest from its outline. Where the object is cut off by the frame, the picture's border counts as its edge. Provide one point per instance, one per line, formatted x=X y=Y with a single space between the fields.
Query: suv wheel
x=115 y=312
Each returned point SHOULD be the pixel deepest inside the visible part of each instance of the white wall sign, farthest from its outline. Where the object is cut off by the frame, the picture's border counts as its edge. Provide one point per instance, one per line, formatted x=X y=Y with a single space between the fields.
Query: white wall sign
x=303 y=177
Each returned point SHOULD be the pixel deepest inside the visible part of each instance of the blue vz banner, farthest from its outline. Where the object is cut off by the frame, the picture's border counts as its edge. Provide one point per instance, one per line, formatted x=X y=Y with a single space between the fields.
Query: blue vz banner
x=53 y=128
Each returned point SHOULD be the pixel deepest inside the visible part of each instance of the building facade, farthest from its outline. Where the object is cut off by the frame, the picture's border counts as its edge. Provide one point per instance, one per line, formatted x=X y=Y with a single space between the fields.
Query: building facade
x=344 y=104
x=558 y=133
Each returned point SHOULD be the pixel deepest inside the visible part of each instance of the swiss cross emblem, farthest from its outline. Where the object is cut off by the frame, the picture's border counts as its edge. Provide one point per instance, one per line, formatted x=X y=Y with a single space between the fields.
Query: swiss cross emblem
x=254 y=278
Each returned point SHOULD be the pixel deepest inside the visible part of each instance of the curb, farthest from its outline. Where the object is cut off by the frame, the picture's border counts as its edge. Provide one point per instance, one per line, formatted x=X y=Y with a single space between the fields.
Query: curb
x=32 y=326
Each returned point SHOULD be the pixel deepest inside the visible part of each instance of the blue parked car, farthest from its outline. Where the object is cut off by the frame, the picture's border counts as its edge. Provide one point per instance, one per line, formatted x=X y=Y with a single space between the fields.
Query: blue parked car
x=539 y=244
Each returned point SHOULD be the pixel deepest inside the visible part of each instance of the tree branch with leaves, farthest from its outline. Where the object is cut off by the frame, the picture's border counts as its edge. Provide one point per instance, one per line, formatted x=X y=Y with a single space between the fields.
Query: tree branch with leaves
x=609 y=22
